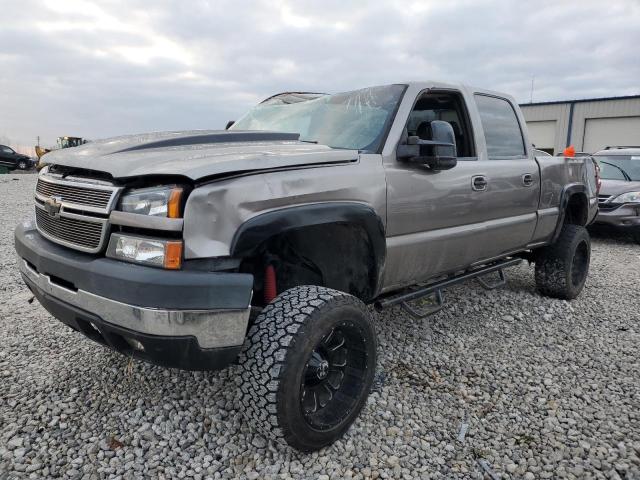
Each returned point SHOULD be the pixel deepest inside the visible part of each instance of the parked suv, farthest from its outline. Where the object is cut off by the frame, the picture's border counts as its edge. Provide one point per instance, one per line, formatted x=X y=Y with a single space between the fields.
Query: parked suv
x=619 y=196
x=13 y=160
x=262 y=245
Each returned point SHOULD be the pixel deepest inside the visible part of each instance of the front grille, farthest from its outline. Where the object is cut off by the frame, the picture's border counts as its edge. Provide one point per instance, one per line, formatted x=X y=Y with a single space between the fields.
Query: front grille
x=82 y=233
x=603 y=198
x=74 y=212
x=609 y=207
x=77 y=195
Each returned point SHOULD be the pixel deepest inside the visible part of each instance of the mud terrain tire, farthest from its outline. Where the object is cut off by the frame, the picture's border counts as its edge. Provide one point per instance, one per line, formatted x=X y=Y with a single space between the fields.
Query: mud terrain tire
x=307 y=366
x=562 y=268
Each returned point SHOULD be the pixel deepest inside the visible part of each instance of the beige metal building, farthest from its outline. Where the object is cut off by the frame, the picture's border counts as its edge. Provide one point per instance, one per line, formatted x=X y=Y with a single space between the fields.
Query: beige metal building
x=589 y=125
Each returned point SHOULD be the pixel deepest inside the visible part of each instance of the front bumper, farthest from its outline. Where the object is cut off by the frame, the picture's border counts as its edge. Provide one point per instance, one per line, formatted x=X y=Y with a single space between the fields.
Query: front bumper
x=183 y=319
x=626 y=216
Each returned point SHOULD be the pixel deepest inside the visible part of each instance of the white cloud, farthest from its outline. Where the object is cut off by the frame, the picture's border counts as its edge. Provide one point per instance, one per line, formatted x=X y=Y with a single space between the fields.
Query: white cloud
x=109 y=67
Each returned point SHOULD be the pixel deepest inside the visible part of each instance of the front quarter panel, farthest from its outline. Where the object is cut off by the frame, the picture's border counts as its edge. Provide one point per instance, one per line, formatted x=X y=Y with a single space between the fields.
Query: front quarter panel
x=215 y=211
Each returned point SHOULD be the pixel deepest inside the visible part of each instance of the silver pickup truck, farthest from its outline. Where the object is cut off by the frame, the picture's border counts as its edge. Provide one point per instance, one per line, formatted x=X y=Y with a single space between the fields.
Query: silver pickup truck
x=260 y=245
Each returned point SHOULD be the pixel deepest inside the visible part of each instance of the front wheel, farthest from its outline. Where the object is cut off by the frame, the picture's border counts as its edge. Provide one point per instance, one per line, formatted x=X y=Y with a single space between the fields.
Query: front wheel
x=307 y=366
x=562 y=267
x=22 y=165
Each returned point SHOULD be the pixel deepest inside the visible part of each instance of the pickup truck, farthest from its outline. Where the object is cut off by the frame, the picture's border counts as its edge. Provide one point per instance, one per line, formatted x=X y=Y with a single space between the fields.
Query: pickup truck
x=260 y=246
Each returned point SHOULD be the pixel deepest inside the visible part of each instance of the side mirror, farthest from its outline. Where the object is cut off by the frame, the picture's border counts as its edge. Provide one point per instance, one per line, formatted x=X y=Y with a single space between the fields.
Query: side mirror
x=437 y=154
x=229 y=124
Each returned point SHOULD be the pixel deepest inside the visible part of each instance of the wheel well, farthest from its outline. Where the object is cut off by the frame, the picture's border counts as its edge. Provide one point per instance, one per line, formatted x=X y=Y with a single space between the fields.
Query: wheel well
x=577 y=210
x=335 y=255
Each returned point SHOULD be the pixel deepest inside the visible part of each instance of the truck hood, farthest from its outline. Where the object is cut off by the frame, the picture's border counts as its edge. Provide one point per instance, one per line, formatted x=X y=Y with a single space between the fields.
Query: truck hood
x=618 y=187
x=197 y=154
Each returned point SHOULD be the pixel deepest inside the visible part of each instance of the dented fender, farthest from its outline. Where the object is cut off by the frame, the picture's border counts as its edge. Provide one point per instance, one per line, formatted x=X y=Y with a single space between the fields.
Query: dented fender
x=214 y=212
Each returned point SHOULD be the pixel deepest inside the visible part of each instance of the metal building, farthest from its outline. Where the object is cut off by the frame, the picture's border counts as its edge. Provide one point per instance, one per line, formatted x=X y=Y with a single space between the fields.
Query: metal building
x=589 y=125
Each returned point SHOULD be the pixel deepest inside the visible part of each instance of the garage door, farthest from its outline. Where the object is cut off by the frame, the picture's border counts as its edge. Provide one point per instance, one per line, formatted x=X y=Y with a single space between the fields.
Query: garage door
x=601 y=132
x=543 y=134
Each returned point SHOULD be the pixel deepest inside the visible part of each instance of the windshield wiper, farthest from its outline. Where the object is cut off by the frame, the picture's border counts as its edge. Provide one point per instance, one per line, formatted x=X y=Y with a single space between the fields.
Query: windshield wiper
x=624 y=174
x=308 y=141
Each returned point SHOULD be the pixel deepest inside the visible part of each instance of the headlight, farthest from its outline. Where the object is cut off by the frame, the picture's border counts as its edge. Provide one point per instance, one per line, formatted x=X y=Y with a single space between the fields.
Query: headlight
x=629 y=197
x=155 y=201
x=146 y=251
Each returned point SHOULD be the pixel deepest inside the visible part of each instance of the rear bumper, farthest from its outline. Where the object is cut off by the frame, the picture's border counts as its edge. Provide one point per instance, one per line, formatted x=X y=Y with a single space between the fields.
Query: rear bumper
x=624 y=217
x=188 y=320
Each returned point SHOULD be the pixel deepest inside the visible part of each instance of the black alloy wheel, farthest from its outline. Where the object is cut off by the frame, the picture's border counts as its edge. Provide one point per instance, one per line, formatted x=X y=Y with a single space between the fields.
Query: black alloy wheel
x=333 y=377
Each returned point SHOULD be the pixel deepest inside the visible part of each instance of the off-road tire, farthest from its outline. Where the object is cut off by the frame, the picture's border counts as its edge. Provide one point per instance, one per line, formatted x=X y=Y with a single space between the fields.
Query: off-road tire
x=274 y=365
x=562 y=267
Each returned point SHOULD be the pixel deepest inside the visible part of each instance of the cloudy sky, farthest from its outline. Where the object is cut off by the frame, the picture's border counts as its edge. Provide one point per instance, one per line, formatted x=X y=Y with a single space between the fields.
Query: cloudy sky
x=104 y=68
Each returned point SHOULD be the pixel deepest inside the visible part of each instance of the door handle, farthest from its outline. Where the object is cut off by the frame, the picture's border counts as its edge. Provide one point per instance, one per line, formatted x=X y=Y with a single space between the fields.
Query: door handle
x=527 y=179
x=479 y=183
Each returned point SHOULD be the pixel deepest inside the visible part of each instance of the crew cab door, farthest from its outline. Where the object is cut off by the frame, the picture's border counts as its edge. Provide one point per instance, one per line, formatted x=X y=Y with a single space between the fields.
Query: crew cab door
x=511 y=178
x=433 y=217
x=443 y=221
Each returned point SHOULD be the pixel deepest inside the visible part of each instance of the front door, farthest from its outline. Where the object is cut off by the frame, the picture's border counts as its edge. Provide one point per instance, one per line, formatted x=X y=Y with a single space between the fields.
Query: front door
x=483 y=208
x=432 y=217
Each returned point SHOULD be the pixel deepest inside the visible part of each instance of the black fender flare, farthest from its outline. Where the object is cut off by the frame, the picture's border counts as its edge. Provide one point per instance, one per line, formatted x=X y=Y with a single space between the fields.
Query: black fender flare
x=260 y=228
x=567 y=192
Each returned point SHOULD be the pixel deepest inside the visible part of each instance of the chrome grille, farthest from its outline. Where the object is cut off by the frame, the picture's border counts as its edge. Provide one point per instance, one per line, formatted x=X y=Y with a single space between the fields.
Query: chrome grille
x=74 y=212
x=94 y=197
x=70 y=231
x=603 y=198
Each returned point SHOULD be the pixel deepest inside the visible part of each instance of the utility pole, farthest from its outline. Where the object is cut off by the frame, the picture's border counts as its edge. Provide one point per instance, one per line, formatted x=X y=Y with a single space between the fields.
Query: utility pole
x=533 y=78
x=38 y=144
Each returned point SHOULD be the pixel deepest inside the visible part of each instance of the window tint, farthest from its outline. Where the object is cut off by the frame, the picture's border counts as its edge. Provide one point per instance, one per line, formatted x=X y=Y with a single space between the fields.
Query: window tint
x=446 y=106
x=501 y=129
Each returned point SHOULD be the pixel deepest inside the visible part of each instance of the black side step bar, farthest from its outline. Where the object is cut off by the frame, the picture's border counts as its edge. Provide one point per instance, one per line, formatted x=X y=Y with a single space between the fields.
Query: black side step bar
x=437 y=287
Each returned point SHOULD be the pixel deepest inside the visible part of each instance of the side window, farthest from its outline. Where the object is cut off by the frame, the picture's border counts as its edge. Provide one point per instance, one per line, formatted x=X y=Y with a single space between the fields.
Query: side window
x=448 y=106
x=501 y=128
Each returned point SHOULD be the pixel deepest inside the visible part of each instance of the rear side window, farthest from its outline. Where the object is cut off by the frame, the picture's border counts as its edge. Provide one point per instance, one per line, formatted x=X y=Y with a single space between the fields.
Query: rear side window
x=501 y=128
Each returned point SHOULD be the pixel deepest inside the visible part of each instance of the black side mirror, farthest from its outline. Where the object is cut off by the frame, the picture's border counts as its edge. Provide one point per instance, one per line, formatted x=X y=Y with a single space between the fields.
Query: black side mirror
x=438 y=154
x=229 y=124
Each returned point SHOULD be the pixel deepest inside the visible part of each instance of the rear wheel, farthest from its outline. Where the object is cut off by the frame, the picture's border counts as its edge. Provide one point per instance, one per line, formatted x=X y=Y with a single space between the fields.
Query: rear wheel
x=307 y=366
x=562 y=268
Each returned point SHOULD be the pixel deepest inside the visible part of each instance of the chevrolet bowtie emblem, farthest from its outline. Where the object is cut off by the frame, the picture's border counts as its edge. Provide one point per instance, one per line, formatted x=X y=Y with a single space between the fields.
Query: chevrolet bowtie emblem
x=52 y=206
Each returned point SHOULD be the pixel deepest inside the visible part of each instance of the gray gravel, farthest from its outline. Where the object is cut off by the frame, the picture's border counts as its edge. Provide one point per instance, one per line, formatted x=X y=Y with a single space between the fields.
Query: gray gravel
x=501 y=384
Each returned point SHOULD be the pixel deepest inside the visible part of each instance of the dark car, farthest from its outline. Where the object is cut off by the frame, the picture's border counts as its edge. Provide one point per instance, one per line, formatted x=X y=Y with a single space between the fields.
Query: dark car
x=619 y=196
x=13 y=160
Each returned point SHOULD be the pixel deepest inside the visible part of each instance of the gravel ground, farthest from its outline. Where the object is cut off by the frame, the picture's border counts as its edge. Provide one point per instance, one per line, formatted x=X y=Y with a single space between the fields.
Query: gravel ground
x=500 y=384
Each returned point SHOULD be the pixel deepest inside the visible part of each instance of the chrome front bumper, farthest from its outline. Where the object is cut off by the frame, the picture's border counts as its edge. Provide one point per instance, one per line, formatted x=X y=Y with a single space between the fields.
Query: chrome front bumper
x=211 y=328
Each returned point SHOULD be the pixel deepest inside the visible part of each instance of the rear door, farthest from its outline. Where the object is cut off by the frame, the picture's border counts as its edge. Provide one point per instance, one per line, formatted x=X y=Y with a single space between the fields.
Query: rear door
x=507 y=177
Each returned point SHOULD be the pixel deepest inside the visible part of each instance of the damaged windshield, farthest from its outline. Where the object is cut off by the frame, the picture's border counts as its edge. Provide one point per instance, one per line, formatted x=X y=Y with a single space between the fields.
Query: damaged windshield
x=355 y=120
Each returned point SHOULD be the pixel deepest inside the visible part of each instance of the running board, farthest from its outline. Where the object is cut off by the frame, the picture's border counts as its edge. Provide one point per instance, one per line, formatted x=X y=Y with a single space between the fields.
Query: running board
x=493 y=285
x=436 y=288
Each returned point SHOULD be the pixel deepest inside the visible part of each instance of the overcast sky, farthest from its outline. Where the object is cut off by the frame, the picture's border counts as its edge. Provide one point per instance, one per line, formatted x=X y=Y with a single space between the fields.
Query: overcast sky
x=98 y=69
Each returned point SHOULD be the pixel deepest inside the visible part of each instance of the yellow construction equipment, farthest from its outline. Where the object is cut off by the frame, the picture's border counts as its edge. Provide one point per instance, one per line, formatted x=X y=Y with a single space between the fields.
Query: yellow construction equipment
x=62 y=142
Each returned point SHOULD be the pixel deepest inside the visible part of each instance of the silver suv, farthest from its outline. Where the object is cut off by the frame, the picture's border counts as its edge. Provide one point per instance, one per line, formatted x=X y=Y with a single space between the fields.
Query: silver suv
x=262 y=244
x=619 y=196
